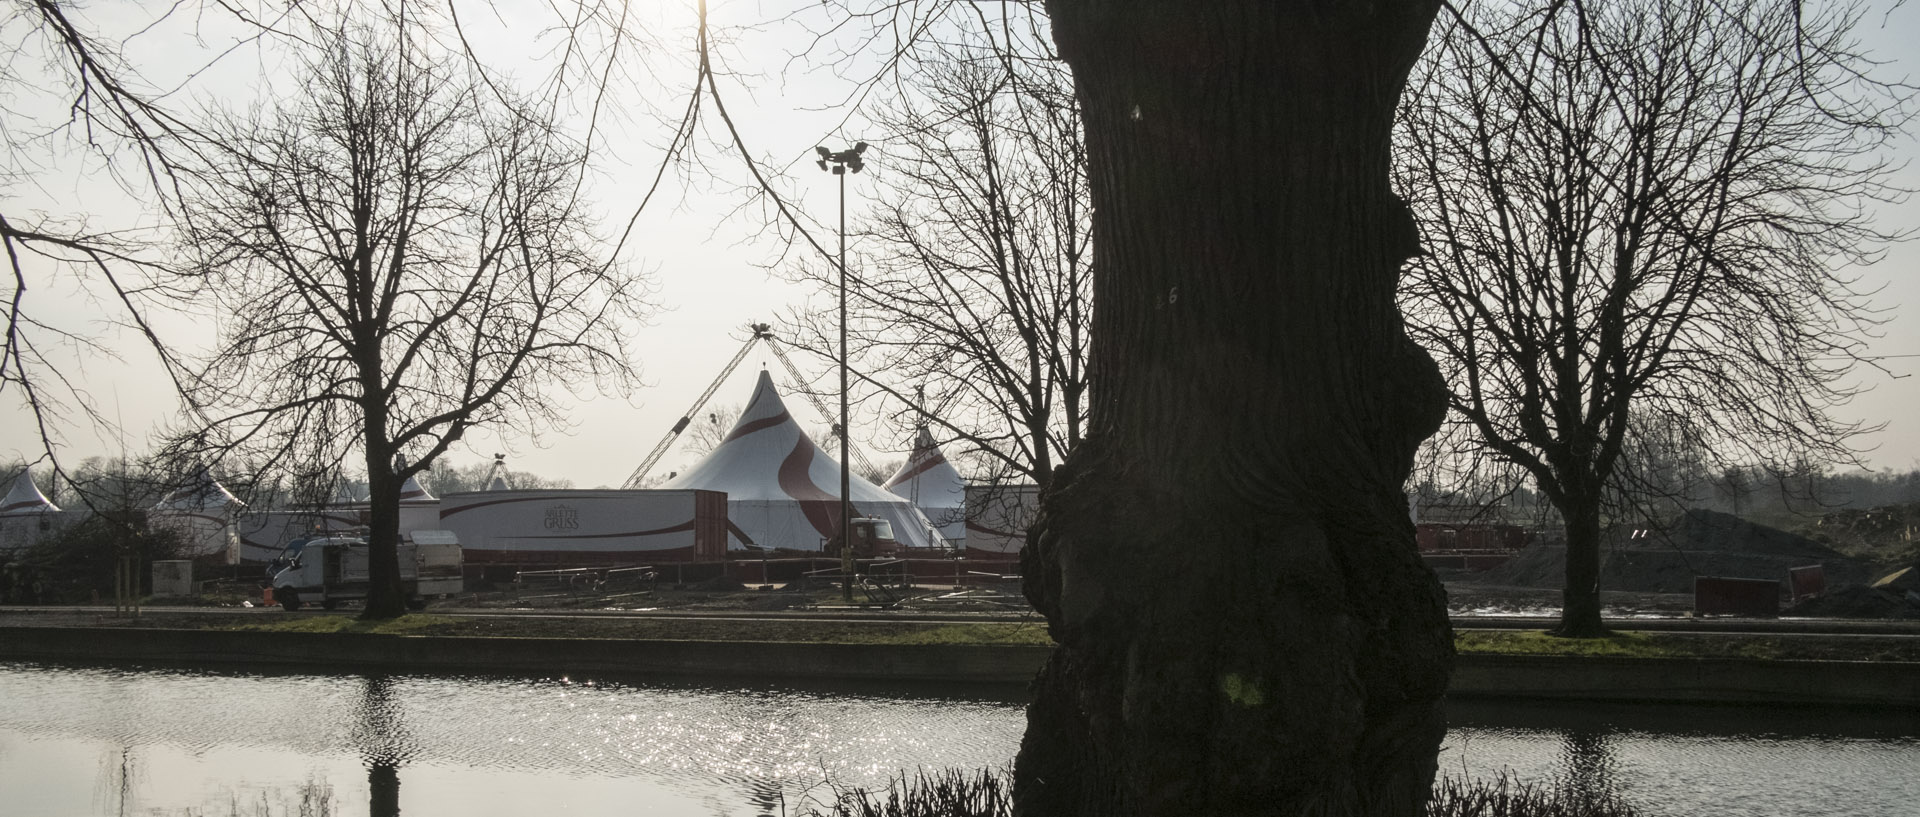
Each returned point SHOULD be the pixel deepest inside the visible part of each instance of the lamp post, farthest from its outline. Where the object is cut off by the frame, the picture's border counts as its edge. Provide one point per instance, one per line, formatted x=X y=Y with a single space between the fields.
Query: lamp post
x=840 y=164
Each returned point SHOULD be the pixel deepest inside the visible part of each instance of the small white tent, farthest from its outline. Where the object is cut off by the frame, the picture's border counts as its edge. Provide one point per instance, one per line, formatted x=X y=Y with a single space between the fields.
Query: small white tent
x=419 y=508
x=411 y=492
x=782 y=490
x=497 y=475
x=25 y=498
x=932 y=485
x=26 y=515
x=202 y=512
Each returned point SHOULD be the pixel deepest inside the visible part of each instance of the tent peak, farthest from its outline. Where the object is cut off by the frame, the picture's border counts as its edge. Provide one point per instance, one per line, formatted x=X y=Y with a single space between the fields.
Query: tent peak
x=25 y=497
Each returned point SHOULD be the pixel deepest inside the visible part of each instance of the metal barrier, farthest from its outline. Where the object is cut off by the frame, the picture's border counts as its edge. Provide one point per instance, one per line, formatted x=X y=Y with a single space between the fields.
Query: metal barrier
x=588 y=578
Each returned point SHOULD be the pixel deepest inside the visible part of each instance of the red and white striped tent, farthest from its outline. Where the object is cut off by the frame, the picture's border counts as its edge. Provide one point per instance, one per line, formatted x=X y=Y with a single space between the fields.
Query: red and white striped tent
x=783 y=491
x=934 y=486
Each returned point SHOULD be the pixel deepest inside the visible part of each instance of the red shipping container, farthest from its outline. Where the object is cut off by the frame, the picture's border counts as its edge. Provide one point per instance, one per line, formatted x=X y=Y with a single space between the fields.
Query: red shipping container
x=1737 y=597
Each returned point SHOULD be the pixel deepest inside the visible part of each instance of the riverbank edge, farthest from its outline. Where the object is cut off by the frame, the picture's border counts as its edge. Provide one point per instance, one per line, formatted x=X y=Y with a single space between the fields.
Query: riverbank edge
x=1656 y=680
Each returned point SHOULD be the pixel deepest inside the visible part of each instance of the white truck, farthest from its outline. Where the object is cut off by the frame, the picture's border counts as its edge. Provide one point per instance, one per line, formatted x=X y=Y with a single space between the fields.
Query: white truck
x=330 y=570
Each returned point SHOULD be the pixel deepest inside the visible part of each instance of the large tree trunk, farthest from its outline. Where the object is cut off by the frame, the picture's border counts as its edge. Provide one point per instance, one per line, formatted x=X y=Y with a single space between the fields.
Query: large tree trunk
x=1226 y=561
x=386 y=598
x=1580 y=597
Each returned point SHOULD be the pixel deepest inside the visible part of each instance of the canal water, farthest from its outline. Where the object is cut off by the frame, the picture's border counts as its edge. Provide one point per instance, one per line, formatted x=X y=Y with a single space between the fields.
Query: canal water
x=83 y=741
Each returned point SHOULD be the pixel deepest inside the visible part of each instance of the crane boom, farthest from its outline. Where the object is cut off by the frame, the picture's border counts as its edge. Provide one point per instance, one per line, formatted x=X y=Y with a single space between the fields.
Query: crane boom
x=819 y=404
x=760 y=332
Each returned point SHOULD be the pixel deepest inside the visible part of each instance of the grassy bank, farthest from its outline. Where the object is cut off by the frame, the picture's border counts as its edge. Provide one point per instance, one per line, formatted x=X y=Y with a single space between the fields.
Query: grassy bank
x=1026 y=632
x=1690 y=645
x=1033 y=632
x=688 y=629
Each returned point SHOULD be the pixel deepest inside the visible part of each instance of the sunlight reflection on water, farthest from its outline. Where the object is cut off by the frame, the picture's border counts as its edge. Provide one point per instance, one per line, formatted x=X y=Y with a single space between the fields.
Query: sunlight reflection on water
x=86 y=741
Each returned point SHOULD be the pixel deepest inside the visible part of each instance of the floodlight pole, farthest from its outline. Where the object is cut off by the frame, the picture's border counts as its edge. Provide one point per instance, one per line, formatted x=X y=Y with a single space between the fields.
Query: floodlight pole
x=841 y=162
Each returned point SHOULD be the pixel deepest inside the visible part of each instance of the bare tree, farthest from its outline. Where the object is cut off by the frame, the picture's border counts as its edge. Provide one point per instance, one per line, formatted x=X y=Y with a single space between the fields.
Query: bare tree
x=708 y=432
x=73 y=98
x=1638 y=215
x=76 y=103
x=974 y=293
x=402 y=253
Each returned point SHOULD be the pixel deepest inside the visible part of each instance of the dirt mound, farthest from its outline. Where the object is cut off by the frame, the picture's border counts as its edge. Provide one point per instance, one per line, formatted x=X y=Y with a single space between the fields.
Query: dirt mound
x=1698 y=543
x=1857 y=602
x=1541 y=565
x=1649 y=570
x=1701 y=529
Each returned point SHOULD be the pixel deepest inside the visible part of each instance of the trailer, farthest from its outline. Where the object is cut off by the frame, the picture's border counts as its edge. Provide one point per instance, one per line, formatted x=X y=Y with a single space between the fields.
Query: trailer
x=570 y=528
x=329 y=570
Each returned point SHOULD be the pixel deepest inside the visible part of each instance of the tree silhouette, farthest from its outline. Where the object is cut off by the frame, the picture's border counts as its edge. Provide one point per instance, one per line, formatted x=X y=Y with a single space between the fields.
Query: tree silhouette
x=402 y=252
x=1637 y=216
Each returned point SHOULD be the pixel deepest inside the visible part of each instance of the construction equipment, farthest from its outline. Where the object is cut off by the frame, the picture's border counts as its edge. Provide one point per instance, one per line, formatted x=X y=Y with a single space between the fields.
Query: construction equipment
x=761 y=333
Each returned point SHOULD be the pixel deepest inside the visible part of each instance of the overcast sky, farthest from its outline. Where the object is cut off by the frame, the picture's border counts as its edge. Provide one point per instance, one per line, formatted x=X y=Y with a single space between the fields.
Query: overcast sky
x=708 y=260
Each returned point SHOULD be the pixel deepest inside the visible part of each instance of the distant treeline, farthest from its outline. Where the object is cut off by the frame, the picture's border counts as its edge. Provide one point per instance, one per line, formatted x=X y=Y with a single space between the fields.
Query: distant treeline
x=1776 y=496
x=112 y=483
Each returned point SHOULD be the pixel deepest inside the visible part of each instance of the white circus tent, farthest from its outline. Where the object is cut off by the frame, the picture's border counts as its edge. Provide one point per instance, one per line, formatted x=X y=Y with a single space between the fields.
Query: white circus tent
x=411 y=491
x=202 y=511
x=27 y=516
x=782 y=490
x=419 y=508
x=25 y=498
x=934 y=486
x=263 y=535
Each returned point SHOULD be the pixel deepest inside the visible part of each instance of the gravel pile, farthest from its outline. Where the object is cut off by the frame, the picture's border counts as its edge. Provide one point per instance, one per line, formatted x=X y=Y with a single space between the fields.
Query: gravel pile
x=1858 y=601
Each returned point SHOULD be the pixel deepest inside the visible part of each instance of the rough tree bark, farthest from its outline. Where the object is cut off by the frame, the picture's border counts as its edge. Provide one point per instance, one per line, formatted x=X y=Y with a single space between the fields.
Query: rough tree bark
x=1580 y=597
x=386 y=594
x=1227 y=561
